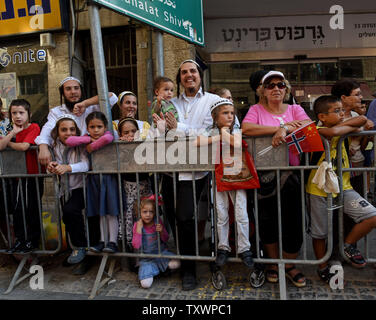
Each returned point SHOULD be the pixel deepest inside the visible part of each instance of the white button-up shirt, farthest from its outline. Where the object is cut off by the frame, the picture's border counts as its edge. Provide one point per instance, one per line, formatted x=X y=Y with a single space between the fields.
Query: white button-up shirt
x=45 y=134
x=194 y=113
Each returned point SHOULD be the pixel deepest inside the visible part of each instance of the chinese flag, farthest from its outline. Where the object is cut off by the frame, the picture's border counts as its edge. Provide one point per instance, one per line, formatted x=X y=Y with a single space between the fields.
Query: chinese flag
x=305 y=139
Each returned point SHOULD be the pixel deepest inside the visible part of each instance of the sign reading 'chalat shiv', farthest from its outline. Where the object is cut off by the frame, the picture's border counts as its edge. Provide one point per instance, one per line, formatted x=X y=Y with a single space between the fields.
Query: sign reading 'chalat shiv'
x=182 y=18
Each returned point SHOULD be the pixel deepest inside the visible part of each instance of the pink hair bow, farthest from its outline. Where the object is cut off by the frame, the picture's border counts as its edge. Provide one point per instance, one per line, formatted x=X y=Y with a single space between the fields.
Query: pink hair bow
x=152 y=197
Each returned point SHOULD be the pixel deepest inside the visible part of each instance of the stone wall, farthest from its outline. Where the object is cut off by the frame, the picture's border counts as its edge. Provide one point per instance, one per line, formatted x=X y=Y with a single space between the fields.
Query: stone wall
x=58 y=67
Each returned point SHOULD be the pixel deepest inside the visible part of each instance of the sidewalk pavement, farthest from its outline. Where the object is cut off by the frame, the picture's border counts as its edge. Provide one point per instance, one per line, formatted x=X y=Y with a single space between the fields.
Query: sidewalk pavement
x=61 y=284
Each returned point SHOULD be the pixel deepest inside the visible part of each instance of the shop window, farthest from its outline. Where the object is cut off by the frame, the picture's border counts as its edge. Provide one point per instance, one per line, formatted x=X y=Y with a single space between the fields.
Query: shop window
x=119 y=45
x=352 y=68
x=31 y=84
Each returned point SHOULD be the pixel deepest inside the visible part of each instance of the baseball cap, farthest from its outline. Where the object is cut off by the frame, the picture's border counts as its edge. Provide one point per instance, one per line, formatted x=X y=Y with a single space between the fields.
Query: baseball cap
x=272 y=74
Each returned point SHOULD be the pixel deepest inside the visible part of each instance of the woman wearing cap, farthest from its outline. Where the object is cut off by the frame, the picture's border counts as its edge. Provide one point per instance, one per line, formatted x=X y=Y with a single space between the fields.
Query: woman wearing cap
x=271 y=116
x=127 y=102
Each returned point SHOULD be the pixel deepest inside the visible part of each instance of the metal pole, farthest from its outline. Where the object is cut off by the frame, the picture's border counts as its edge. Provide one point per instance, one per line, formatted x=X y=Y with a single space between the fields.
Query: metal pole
x=99 y=62
x=160 y=57
x=149 y=68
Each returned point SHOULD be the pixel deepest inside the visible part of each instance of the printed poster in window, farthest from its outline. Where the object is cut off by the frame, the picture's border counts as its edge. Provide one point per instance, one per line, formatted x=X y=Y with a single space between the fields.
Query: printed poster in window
x=8 y=87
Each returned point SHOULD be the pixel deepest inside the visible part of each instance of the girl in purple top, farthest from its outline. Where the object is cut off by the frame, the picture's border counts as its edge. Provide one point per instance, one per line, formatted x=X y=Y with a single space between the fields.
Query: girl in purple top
x=102 y=190
x=145 y=234
x=271 y=116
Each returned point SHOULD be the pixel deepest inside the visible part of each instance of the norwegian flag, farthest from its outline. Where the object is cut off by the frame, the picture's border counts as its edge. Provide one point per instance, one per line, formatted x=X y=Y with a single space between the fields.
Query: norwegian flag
x=305 y=139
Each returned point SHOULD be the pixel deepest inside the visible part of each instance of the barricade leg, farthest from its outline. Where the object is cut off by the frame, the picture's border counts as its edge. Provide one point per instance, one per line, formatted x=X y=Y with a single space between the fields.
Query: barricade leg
x=98 y=284
x=16 y=280
x=282 y=281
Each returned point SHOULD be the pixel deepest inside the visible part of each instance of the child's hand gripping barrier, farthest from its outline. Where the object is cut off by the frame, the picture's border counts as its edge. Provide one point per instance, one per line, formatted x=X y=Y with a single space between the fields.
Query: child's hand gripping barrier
x=326 y=179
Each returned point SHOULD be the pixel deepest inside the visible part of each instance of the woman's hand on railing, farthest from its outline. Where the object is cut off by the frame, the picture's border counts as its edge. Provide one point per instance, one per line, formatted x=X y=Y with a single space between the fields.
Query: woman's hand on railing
x=279 y=137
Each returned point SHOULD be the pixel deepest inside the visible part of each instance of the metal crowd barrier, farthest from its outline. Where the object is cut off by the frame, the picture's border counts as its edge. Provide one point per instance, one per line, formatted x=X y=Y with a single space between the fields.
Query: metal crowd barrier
x=369 y=196
x=118 y=158
x=13 y=174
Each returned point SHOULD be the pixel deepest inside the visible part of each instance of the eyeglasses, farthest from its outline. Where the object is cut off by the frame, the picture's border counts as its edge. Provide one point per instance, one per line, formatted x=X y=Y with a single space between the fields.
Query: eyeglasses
x=337 y=111
x=271 y=86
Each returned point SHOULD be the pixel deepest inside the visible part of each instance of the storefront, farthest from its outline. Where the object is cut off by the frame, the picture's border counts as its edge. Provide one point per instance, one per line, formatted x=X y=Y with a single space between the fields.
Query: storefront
x=26 y=56
x=299 y=41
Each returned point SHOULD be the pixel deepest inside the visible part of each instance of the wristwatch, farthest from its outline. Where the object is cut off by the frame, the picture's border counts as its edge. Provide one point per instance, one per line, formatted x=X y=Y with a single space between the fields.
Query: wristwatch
x=282 y=125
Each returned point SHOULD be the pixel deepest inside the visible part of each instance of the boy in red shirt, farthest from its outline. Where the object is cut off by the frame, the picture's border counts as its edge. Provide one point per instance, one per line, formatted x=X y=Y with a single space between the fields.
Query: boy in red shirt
x=24 y=190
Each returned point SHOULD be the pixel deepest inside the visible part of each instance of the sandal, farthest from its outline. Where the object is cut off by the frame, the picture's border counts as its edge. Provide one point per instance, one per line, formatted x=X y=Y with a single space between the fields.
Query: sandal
x=272 y=275
x=295 y=279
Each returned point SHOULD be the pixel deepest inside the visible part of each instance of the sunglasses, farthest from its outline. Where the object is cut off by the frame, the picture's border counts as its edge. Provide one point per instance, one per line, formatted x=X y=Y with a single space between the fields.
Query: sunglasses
x=280 y=85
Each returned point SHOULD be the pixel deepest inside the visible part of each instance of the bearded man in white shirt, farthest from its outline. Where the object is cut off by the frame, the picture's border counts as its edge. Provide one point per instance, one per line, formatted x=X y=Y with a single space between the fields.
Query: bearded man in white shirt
x=71 y=92
x=193 y=107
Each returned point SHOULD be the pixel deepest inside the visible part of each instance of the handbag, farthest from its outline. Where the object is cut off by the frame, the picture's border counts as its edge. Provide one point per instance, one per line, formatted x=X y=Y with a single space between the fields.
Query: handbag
x=247 y=178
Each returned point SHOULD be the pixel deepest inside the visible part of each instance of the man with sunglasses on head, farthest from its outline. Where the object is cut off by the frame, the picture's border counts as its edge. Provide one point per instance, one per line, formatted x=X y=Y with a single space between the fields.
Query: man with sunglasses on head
x=272 y=116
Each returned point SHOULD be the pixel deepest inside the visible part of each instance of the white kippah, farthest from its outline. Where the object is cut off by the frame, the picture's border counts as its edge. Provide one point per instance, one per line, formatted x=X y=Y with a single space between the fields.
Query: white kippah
x=191 y=61
x=68 y=79
x=220 y=102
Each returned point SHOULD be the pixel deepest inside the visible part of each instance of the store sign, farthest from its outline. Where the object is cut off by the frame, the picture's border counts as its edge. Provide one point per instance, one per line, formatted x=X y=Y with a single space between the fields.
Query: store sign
x=182 y=18
x=289 y=33
x=27 y=16
x=19 y=57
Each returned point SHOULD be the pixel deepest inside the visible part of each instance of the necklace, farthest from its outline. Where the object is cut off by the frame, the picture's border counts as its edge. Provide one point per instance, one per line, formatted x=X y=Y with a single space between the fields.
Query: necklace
x=186 y=110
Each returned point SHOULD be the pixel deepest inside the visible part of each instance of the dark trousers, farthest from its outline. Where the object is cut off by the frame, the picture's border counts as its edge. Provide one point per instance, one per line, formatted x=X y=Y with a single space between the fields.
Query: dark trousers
x=185 y=217
x=291 y=216
x=26 y=208
x=168 y=201
x=74 y=219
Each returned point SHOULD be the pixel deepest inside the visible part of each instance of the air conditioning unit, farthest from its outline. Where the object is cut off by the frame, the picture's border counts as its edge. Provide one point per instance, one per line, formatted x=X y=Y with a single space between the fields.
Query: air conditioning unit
x=47 y=40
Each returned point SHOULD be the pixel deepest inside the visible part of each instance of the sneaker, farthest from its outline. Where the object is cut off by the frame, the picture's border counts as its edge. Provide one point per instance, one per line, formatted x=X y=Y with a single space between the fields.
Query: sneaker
x=325 y=274
x=111 y=247
x=188 y=281
x=26 y=247
x=84 y=266
x=354 y=255
x=222 y=256
x=98 y=248
x=17 y=246
x=77 y=255
x=247 y=258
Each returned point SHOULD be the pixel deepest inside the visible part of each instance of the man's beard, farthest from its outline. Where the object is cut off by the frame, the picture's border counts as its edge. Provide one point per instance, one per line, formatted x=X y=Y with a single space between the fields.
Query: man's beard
x=192 y=90
x=70 y=104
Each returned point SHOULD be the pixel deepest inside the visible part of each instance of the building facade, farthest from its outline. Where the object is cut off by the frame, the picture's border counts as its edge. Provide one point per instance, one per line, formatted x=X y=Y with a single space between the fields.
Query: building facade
x=40 y=46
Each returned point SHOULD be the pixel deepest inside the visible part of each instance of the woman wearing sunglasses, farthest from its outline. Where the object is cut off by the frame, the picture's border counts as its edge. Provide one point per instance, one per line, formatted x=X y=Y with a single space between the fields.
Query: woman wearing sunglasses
x=272 y=116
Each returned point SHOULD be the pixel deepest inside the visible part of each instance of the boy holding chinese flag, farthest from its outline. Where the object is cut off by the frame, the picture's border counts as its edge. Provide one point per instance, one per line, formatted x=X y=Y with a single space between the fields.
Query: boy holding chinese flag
x=329 y=111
